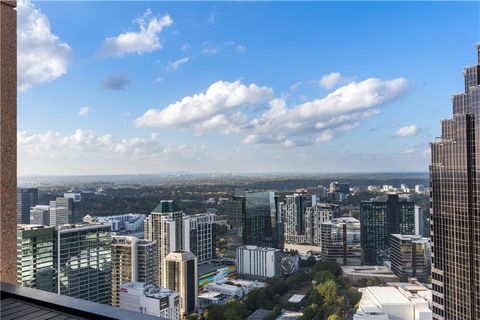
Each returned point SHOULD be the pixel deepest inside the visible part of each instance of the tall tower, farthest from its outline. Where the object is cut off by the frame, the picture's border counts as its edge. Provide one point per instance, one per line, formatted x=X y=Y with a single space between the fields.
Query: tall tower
x=180 y=274
x=455 y=206
x=26 y=198
x=165 y=226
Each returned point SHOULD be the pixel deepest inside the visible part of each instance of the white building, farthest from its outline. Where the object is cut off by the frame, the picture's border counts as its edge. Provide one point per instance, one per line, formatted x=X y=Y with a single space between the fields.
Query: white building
x=228 y=289
x=150 y=299
x=404 y=302
x=258 y=262
x=199 y=235
x=127 y=222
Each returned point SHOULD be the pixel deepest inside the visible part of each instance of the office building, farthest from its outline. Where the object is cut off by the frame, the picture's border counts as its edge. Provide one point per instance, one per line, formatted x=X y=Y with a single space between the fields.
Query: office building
x=26 y=198
x=235 y=210
x=150 y=299
x=133 y=260
x=258 y=262
x=165 y=226
x=410 y=256
x=78 y=210
x=422 y=222
x=199 y=236
x=36 y=257
x=294 y=211
x=378 y=220
x=61 y=211
x=341 y=241
x=84 y=262
x=455 y=206
x=181 y=274
x=40 y=215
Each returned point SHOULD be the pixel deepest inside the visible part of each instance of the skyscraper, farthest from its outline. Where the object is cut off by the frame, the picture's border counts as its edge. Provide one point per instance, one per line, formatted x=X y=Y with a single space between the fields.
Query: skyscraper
x=235 y=210
x=84 y=262
x=381 y=218
x=181 y=275
x=132 y=259
x=26 y=198
x=199 y=236
x=455 y=206
x=262 y=225
x=294 y=212
x=165 y=226
x=341 y=241
x=61 y=211
x=36 y=257
x=77 y=206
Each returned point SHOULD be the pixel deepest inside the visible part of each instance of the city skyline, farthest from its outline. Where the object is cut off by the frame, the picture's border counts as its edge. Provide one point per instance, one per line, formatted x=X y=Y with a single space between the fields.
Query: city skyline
x=236 y=87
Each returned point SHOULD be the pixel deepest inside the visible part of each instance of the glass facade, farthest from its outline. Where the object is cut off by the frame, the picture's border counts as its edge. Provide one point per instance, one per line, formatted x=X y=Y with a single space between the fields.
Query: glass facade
x=84 y=262
x=341 y=241
x=36 y=257
x=26 y=198
x=379 y=219
x=455 y=207
x=411 y=256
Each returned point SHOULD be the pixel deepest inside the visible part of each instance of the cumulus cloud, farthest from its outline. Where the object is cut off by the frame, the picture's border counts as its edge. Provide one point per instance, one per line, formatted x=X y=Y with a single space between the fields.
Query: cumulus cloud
x=217 y=105
x=42 y=56
x=116 y=82
x=83 y=111
x=146 y=39
x=232 y=107
x=330 y=80
x=173 y=65
x=87 y=143
x=407 y=131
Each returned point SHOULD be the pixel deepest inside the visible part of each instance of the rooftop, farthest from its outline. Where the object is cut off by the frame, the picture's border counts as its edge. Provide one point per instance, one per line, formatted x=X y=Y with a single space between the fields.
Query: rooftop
x=166 y=206
x=259 y=314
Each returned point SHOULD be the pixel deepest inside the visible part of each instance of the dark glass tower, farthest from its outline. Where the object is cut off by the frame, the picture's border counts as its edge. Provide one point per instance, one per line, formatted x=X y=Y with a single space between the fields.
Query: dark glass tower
x=379 y=219
x=26 y=198
x=455 y=206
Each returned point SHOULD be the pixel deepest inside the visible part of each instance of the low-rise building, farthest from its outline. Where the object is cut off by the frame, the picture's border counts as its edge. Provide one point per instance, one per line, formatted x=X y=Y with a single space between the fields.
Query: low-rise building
x=258 y=262
x=150 y=299
x=355 y=273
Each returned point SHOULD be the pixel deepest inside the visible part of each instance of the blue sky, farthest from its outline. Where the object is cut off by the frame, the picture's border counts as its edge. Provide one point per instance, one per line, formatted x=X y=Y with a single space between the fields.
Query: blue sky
x=304 y=87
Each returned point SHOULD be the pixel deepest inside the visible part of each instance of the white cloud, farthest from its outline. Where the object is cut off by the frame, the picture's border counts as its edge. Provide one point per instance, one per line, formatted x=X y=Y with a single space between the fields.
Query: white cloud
x=330 y=80
x=173 y=65
x=83 y=111
x=234 y=108
x=200 y=110
x=42 y=56
x=407 y=131
x=146 y=39
x=212 y=48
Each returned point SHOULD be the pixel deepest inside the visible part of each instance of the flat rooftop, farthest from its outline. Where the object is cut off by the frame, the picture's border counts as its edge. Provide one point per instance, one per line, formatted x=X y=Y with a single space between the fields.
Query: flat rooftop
x=388 y=296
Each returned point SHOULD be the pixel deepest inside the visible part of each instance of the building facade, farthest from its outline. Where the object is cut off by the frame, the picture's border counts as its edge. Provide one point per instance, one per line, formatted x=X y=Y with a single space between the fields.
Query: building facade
x=84 y=262
x=181 y=275
x=294 y=211
x=36 y=257
x=341 y=241
x=133 y=260
x=165 y=226
x=199 y=236
x=455 y=206
x=61 y=211
x=258 y=262
x=410 y=256
x=315 y=216
x=150 y=299
x=40 y=214
x=26 y=198
x=379 y=219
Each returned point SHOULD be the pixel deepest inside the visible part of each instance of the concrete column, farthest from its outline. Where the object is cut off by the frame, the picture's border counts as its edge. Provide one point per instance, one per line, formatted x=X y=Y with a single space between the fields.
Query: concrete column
x=8 y=140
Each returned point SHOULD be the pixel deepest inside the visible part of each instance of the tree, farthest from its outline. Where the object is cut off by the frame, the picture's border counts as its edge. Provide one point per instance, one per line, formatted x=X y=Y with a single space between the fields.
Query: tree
x=353 y=296
x=333 y=317
x=256 y=299
x=328 y=290
x=311 y=311
x=235 y=310
x=215 y=312
x=331 y=266
x=323 y=276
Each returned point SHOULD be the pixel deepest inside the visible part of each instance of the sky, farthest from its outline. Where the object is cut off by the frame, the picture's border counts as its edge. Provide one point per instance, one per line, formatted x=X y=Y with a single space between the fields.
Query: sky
x=241 y=87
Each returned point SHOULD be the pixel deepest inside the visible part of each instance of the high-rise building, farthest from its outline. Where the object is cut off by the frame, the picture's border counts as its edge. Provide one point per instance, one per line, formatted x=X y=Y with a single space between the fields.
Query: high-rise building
x=78 y=210
x=26 y=198
x=181 y=275
x=61 y=211
x=150 y=299
x=410 y=256
x=36 y=257
x=262 y=225
x=258 y=262
x=132 y=260
x=341 y=241
x=294 y=211
x=84 y=262
x=165 y=226
x=235 y=210
x=40 y=215
x=455 y=206
x=199 y=236
x=315 y=216
x=381 y=218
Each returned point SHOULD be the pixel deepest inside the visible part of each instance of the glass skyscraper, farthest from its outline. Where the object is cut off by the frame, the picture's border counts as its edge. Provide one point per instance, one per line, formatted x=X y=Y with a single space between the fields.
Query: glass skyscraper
x=379 y=219
x=455 y=206
x=26 y=198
